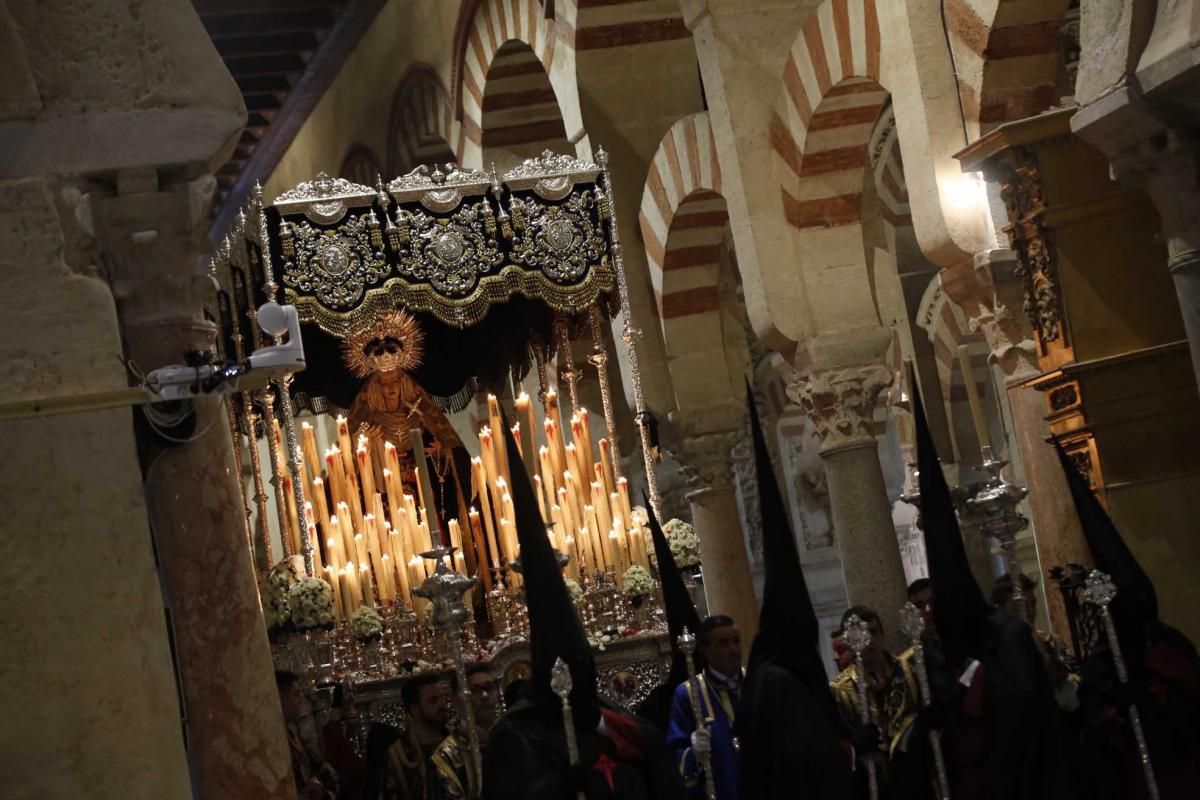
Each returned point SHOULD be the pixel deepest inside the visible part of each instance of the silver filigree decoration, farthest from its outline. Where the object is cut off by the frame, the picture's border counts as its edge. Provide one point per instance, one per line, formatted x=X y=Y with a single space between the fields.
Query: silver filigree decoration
x=324 y=199
x=336 y=266
x=912 y=621
x=628 y=685
x=439 y=188
x=561 y=241
x=1100 y=589
x=560 y=679
x=551 y=175
x=858 y=635
x=451 y=253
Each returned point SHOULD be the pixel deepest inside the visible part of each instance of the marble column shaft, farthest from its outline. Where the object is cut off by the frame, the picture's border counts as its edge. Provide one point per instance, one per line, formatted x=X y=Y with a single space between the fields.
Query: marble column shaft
x=840 y=404
x=236 y=737
x=728 y=584
x=86 y=679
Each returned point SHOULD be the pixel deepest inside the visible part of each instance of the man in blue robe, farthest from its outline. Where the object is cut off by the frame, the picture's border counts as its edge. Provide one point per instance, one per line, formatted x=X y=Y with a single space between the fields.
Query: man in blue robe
x=715 y=692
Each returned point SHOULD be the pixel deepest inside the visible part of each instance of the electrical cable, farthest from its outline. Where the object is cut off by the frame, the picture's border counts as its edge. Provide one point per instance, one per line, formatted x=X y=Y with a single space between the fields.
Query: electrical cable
x=962 y=112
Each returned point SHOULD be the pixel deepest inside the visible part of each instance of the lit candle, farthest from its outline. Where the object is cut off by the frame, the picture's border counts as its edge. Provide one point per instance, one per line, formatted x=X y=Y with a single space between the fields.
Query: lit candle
x=345 y=447
x=347 y=531
x=335 y=474
x=367 y=584
x=618 y=551
x=623 y=491
x=320 y=503
x=606 y=465
x=614 y=504
x=314 y=539
x=548 y=478
x=350 y=588
x=416 y=572
x=479 y=477
x=400 y=567
x=477 y=535
x=554 y=443
x=293 y=531
x=308 y=443
x=599 y=538
x=332 y=579
x=525 y=429
x=366 y=471
x=600 y=503
x=585 y=437
x=537 y=490
x=501 y=451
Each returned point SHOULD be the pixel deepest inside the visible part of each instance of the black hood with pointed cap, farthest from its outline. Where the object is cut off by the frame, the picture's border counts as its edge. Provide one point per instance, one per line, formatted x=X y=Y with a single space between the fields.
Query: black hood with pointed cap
x=681 y=611
x=959 y=607
x=788 y=630
x=1136 y=603
x=554 y=628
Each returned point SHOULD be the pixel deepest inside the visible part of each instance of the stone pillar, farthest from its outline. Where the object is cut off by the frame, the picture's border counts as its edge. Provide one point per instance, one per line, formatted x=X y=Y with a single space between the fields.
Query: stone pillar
x=841 y=402
x=151 y=236
x=86 y=680
x=1166 y=167
x=707 y=465
x=991 y=292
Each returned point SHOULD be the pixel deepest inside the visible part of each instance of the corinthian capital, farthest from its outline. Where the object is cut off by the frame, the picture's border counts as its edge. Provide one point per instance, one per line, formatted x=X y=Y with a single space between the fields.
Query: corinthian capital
x=706 y=461
x=841 y=403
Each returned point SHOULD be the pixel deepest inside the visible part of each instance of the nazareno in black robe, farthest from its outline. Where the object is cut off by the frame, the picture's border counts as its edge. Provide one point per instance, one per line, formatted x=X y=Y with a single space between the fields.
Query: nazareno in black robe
x=527 y=759
x=790 y=733
x=790 y=747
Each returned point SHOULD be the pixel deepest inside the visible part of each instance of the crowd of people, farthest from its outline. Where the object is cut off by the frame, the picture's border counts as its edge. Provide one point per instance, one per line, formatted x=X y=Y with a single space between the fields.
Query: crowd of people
x=983 y=707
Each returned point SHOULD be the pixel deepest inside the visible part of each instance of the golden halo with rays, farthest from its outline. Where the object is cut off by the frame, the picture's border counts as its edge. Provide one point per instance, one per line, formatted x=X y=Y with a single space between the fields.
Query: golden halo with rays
x=394 y=341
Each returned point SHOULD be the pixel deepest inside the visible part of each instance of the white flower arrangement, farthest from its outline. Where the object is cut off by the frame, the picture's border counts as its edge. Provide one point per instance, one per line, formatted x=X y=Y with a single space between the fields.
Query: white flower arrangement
x=574 y=590
x=311 y=604
x=366 y=624
x=637 y=582
x=273 y=591
x=640 y=516
x=685 y=545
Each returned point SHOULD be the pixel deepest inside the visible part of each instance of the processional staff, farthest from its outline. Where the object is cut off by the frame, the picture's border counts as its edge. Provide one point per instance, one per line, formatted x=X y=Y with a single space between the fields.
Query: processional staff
x=1100 y=591
x=445 y=589
x=687 y=644
x=858 y=636
x=913 y=624
x=561 y=684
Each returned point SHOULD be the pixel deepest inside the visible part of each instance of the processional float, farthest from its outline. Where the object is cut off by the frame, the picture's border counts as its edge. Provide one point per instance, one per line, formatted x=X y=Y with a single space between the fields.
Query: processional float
x=415 y=297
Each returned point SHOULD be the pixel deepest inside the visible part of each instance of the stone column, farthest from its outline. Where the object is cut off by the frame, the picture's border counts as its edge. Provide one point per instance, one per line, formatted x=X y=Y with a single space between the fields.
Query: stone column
x=841 y=402
x=1166 y=167
x=86 y=680
x=707 y=465
x=151 y=235
x=991 y=292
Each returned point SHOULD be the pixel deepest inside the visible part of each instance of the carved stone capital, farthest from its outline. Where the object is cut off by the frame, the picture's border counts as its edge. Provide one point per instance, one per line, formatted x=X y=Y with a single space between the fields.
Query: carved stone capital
x=151 y=238
x=841 y=403
x=706 y=460
x=986 y=290
x=1165 y=166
